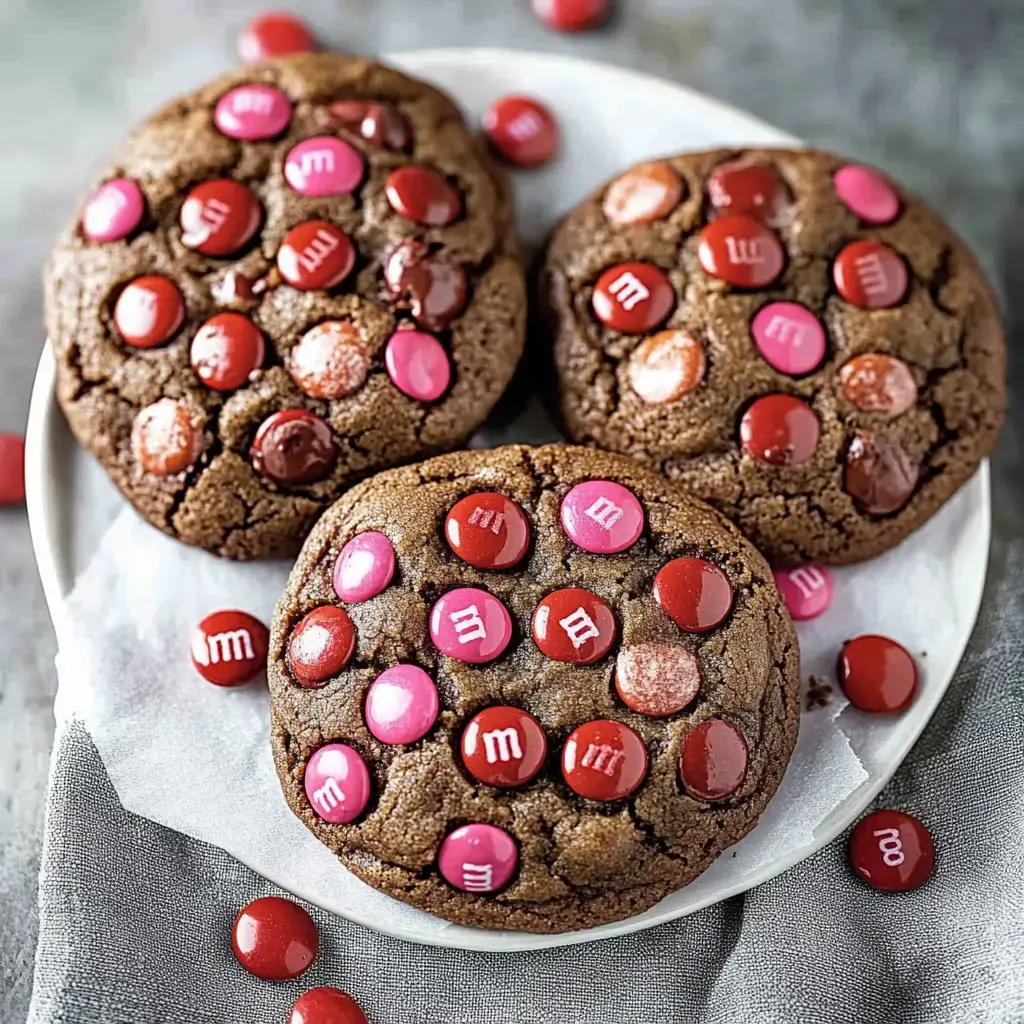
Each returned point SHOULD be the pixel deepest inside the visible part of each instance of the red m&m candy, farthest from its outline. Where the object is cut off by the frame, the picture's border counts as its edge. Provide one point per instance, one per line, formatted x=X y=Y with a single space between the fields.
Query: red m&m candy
x=229 y=648
x=574 y=625
x=275 y=939
x=326 y=1005
x=780 y=430
x=149 y=311
x=226 y=351
x=274 y=34
x=604 y=760
x=713 y=763
x=422 y=195
x=739 y=188
x=892 y=851
x=488 y=530
x=645 y=193
x=657 y=678
x=877 y=674
x=166 y=437
x=315 y=254
x=572 y=15
x=522 y=130
x=870 y=275
x=330 y=361
x=293 y=447
x=504 y=747
x=876 y=382
x=633 y=298
x=742 y=251
x=12 y=469
x=321 y=645
x=695 y=594
x=219 y=217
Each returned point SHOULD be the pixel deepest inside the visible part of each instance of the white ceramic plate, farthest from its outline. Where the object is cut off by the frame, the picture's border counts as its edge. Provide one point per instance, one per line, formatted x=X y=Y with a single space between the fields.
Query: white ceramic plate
x=610 y=118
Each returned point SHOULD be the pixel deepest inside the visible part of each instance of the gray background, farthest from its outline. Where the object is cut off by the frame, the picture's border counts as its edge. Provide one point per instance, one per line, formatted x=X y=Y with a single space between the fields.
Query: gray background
x=932 y=90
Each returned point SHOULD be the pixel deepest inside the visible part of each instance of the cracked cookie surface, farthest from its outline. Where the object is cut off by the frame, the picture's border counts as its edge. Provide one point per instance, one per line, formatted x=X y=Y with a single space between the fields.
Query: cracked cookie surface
x=598 y=835
x=788 y=273
x=321 y=191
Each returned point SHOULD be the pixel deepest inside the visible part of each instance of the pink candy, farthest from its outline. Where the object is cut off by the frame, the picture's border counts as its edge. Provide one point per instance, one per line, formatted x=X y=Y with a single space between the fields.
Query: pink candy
x=337 y=783
x=401 y=704
x=471 y=625
x=113 y=211
x=364 y=567
x=478 y=858
x=323 y=166
x=252 y=112
x=867 y=194
x=807 y=590
x=789 y=337
x=602 y=517
x=418 y=365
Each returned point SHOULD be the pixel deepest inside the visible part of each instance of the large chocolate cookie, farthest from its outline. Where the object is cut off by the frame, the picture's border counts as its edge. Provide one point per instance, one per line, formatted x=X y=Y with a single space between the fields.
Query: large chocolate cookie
x=793 y=337
x=530 y=688
x=301 y=274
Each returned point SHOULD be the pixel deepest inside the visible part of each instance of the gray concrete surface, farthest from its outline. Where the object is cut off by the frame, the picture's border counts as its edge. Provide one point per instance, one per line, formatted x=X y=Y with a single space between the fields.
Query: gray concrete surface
x=932 y=90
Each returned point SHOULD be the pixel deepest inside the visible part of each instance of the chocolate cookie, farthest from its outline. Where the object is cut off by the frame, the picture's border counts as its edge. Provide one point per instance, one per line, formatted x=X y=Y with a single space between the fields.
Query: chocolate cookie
x=530 y=688
x=793 y=337
x=292 y=278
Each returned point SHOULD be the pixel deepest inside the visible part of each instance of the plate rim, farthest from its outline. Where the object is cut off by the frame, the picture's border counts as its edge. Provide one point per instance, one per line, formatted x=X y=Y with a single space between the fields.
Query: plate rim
x=43 y=505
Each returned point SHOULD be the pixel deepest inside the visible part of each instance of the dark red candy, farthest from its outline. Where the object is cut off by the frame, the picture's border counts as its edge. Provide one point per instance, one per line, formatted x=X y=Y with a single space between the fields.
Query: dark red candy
x=877 y=674
x=713 y=764
x=219 y=217
x=604 y=760
x=780 y=430
x=634 y=298
x=326 y=1006
x=380 y=124
x=229 y=647
x=879 y=473
x=275 y=939
x=12 y=469
x=315 y=254
x=892 y=851
x=226 y=350
x=423 y=195
x=742 y=251
x=432 y=286
x=695 y=594
x=870 y=275
x=274 y=34
x=149 y=311
x=321 y=645
x=574 y=625
x=747 y=189
x=522 y=130
x=504 y=747
x=572 y=15
x=487 y=530
x=293 y=447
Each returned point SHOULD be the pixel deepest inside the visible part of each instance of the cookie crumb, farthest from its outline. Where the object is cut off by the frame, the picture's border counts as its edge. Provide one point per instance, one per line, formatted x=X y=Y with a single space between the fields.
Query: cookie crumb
x=819 y=693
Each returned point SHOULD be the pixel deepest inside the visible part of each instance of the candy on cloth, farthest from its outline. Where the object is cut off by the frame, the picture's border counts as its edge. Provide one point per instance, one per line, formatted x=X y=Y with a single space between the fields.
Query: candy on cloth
x=695 y=594
x=713 y=763
x=604 y=760
x=522 y=130
x=275 y=939
x=321 y=645
x=892 y=851
x=780 y=430
x=292 y=447
x=471 y=625
x=401 y=704
x=229 y=647
x=326 y=1005
x=572 y=15
x=226 y=351
x=602 y=517
x=252 y=112
x=504 y=747
x=487 y=530
x=478 y=858
x=149 y=311
x=877 y=674
x=113 y=211
x=364 y=567
x=337 y=783
x=633 y=298
x=12 y=469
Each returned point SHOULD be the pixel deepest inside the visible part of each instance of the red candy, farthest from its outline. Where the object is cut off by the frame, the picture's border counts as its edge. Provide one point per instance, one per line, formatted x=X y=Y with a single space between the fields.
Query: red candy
x=423 y=195
x=523 y=131
x=572 y=15
x=321 y=645
x=274 y=34
x=315 y=254
x=166 y=437
x=12 y=469
x=149 y=311
x=870 y=275
x=229 y=648
x=892 y=851
x=226 y=351
x=695 y=594
x=504 y=747
x=326 y=1006
x=634 y=298
x=744 y=189
x=574 y=625
x=877 y=674
x=292 y=446
x=604 y=760
x=713 y=763
x=219 y=217
x=488 y=530
x=741 y=251
x=780 y=430
x=655 y=678
x=275 y=939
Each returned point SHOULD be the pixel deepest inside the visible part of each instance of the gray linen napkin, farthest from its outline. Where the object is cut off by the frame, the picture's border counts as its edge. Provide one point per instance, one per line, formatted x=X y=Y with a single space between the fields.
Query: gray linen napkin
x=135 y=919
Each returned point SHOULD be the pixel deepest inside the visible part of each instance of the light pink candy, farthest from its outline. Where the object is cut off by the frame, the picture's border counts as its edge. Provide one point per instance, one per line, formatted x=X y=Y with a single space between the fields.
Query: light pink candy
x=478 y=858
x=113 y=211
x=401 y=704
x=323 y=166
x=337 y=783
x=364 y=567
x=252 y=112
x=789 y=337
x=602 y=516
x=807 y=590
x=471 y=625
x=418 y=365
x=867 y=194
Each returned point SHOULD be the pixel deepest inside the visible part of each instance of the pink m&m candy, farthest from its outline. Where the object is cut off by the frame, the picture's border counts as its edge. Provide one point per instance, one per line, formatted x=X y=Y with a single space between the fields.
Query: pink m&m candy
x=602 y=516
x=478 y=858
x=337 y=783
x=471 y=625
x=867 y=194
x=113 y=211
x=364 y=567
x=807 y=590
x=252 y=112
x=323 y=166
x=418 y=365
x=789 y=337
x=401 y=704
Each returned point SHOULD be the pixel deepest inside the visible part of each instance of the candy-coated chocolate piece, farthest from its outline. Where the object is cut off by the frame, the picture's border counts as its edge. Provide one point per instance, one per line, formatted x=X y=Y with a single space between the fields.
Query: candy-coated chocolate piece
x=522 y=130
x=293 y=447
x=645 y=193
x=879 y=474
x=315 y=254
x=321 y=645
x=870 y=275
x=876 y=382
x=866 y=193
x=574 y=625
x=478 y=858
x=252 y=113
x=780 y=430
x=695 y=594
x=323 y=166
x=602 y=517
x=229 y=647
x=604 y=760
x=471 y=625
x=401 y=704
x=422 y=195
x=364 y=568
x=790 y=337
x=504 y=747
x=572 y=15
x=418 y=365
x=657 y=678
x=379 y=124
x=12 y=469
x=807 y=590
x=892 y=851
x=166 y=438
x=667 y=366
x=326 y=1005
x=113 y=211
x=274 y=34
x=487 y=530
x=219 y=217
x=226 y=351
x=432 y=286
x=877 y=674
x=740 y=188
x=741 y=251
x=330 y=361
x=633 y=298
x=337 y=783
x=275 y=939
x=149 y=311
x=713 y=764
